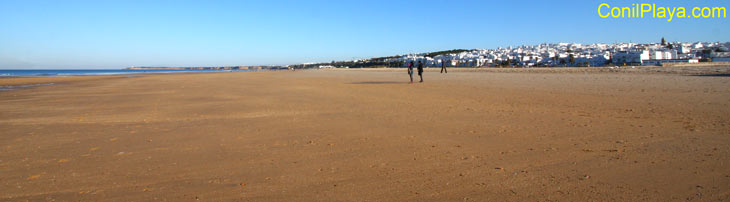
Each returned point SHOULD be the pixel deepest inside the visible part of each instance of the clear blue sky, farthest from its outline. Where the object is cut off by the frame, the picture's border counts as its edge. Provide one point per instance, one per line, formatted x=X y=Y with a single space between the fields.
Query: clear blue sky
x=118 y=34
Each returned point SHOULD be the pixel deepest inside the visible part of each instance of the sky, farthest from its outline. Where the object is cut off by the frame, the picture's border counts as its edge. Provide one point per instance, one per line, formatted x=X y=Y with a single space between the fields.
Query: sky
x=73 y=34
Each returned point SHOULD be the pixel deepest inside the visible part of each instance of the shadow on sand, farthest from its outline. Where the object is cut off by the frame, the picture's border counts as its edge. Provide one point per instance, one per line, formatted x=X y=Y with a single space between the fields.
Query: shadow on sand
x=713 y=75
x=379 y=82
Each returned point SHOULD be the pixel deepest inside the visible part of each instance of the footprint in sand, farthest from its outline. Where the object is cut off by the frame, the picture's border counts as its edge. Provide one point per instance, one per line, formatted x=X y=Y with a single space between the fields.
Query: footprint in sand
x=33 y=177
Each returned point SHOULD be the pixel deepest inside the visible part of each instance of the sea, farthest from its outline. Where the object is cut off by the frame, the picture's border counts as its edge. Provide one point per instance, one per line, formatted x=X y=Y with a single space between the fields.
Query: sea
x=90 y=72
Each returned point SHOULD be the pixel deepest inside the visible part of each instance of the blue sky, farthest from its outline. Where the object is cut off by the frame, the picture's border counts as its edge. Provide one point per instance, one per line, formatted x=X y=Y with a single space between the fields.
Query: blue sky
x=119 y=34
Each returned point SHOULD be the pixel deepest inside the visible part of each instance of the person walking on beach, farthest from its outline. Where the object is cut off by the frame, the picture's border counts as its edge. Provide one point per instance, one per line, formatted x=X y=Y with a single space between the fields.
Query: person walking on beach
x=443 y=67
x=410 y=70
x=420 y=70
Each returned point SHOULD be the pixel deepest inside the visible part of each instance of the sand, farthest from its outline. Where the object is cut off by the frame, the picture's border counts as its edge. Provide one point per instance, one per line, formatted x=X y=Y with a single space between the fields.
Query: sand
x=368 y=136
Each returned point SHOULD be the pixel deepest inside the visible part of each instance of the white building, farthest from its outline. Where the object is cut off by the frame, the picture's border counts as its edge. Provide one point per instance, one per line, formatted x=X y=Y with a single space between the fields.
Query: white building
x=559 y=54
x=630 y=57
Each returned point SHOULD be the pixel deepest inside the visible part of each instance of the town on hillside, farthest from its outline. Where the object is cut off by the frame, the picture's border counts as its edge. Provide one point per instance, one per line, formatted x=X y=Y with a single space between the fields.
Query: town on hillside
x=553 y=55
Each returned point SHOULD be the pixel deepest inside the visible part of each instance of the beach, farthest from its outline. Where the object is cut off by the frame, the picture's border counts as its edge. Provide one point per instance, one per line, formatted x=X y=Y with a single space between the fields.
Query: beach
x=368 y=135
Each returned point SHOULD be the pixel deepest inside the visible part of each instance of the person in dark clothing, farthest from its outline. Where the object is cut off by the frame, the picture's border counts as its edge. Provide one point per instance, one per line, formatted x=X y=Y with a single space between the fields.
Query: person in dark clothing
x=420 y=70
x=443 y=66
x=410 y=70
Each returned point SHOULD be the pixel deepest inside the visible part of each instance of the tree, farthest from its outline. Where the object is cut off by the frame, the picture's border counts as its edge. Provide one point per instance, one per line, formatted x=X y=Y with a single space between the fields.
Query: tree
x=434 y=54
x=571 y=58
x=670 y=46
x=664 y=42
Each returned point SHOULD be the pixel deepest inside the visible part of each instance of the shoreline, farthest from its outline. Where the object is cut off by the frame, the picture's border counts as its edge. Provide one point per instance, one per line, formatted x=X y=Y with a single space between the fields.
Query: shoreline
x=721 y=71
x=102 y=72
x=34 y=80
x=367 y=135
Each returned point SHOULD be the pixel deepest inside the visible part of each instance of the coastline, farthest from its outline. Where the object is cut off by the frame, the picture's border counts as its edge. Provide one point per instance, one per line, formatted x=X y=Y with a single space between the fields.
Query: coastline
x=31 y=80
x=693 y=70
x=369 y=135
x=36 y=79
x=678 y=69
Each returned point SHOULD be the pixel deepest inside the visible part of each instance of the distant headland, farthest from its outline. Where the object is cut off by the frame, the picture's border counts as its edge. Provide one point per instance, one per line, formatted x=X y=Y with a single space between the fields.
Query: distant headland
x=211 y=68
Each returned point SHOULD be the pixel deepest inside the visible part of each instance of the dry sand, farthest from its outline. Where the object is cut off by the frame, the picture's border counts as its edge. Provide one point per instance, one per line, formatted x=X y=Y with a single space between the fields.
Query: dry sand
x=367 y=136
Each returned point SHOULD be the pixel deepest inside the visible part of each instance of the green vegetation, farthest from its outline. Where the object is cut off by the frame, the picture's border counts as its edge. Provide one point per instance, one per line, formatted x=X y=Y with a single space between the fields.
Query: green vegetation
x=370 y=63
x=379 y=62
x=434 y=54
x=571 y=59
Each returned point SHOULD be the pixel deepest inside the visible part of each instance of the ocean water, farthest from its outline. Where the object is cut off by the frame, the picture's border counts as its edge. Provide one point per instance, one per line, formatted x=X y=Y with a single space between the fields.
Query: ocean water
x=6 y=88
x=83 y=72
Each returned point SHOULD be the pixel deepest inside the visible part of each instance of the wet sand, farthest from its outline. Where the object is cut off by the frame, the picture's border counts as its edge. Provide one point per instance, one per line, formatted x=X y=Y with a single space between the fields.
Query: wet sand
x=368 y=136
